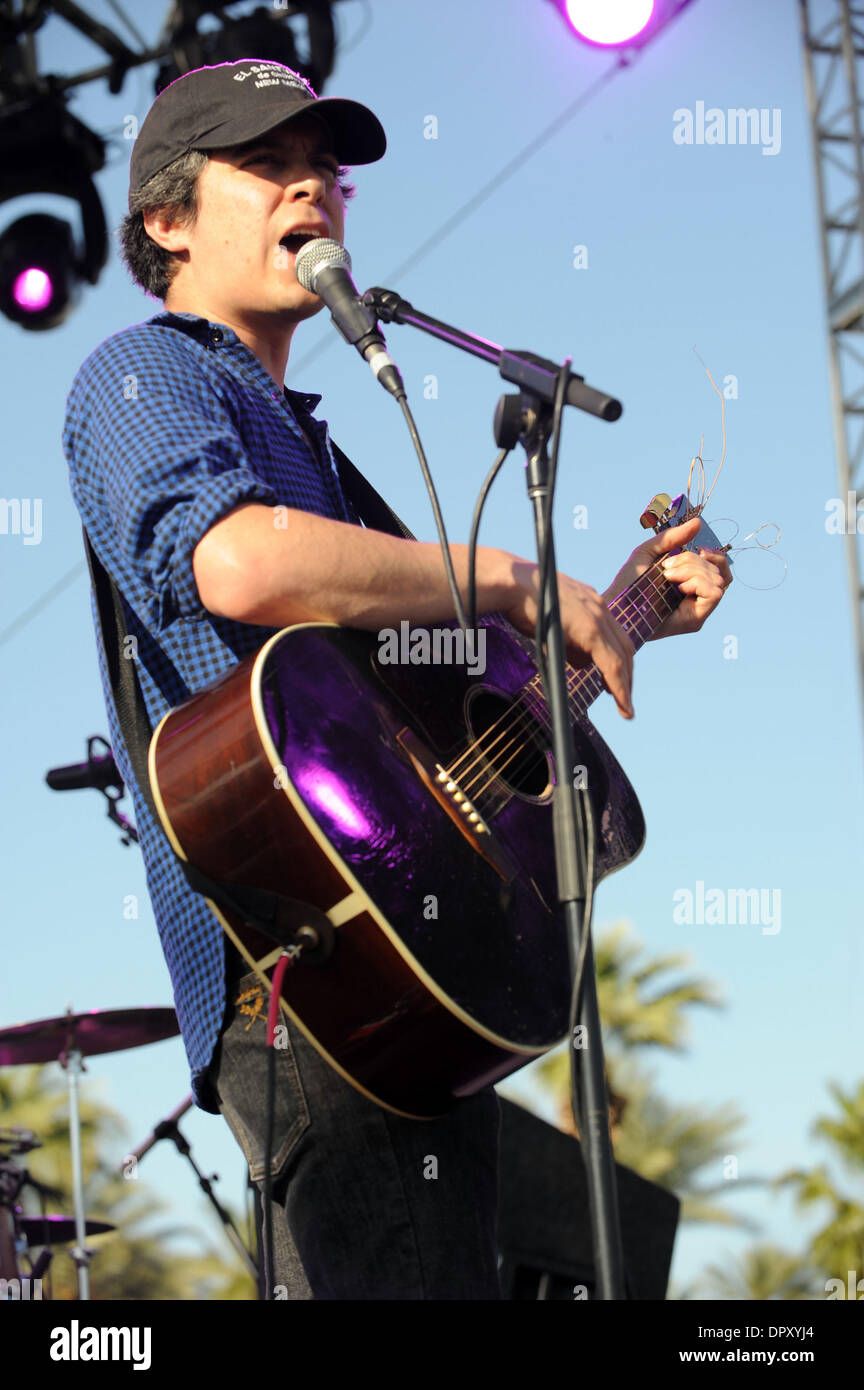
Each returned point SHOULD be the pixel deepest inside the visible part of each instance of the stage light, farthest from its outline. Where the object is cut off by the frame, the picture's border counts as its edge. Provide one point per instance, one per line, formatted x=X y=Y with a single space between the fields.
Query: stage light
x=44 y=149
x=263 y=33
x=608 y=23
x=38 y=271
x=33 y=289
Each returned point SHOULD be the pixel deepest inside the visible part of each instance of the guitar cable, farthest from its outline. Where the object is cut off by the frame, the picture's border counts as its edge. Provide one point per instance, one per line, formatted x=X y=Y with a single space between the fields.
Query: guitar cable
x=578 y=981
x=475 y=529
x=436 y=512
x=288 y=958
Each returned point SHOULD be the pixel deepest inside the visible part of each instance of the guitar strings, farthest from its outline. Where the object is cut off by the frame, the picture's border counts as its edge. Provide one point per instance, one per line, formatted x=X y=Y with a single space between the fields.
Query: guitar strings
x=703 y=499
x=589 y=679
x=585 y=683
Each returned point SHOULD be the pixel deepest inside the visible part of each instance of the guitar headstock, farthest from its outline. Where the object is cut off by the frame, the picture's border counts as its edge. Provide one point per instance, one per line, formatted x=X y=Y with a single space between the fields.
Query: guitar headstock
x=663 y=512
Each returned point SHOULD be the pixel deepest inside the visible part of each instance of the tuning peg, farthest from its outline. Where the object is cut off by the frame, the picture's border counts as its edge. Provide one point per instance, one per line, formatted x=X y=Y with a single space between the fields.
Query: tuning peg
x=655 y=511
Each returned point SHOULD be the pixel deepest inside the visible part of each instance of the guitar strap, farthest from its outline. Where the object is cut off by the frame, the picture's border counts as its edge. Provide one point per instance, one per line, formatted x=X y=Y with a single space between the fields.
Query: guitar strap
x=369 y=504
x=277 y=916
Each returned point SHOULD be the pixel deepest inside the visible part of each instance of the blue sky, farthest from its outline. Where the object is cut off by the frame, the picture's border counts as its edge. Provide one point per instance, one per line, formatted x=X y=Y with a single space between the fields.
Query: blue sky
x=748 y=768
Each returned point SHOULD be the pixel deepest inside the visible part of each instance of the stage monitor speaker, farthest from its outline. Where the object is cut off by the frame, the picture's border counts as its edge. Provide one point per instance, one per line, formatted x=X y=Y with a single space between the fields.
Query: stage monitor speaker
x=544 y=1226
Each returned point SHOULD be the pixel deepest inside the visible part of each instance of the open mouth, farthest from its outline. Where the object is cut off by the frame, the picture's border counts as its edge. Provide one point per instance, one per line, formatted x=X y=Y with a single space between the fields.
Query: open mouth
x=295 y=240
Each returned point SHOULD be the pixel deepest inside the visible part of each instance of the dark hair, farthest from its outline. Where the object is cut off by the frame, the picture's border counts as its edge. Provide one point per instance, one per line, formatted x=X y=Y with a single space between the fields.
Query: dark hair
x=173 y=190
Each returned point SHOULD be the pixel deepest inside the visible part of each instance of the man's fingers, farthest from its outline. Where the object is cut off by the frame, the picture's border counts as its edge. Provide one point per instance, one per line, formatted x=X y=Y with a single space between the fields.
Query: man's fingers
x=611 y=652
x=675 y=536
x=719 y=560
x=710 y=567
x=614 y=658
x=700 y=585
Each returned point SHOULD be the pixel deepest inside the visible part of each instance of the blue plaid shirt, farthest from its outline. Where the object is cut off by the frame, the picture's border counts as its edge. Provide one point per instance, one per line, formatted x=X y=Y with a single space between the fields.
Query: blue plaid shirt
x=169 y=425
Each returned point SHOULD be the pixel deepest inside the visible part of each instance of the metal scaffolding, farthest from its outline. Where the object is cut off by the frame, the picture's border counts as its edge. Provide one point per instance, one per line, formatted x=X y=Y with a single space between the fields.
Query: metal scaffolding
x=833 y=37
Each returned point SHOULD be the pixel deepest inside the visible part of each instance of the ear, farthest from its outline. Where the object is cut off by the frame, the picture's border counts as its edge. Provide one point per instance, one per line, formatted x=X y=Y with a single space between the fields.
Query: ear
x=170 y=235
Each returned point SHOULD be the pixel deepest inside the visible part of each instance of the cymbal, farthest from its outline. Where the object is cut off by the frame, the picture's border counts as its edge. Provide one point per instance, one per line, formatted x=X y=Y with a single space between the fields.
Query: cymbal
x=99 y=1030
x=57 y=1230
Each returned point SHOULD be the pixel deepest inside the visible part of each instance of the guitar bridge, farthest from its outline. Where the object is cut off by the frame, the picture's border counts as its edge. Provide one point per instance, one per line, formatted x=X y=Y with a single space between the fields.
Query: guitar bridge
x=459 y=807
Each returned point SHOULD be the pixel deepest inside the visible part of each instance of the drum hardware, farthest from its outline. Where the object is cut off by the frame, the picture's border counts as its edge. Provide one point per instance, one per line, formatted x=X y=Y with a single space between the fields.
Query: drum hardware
x=68 y=1039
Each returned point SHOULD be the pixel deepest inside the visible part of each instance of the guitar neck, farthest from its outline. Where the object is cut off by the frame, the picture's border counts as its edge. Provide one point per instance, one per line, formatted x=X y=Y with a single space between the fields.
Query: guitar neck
x=642 y=608
x=639 y=610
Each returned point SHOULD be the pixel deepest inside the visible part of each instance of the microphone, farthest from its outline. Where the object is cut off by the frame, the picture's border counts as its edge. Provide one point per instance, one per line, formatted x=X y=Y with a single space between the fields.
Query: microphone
x=99 y=772
x=161 y=1131
x=323 y=267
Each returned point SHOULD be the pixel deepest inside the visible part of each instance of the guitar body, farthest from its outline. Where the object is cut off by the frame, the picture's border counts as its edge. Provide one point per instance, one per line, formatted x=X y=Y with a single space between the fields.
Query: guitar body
x=318 y=771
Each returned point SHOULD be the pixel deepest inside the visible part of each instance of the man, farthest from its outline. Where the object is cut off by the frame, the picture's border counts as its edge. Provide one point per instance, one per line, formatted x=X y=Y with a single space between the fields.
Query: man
x=182 y=442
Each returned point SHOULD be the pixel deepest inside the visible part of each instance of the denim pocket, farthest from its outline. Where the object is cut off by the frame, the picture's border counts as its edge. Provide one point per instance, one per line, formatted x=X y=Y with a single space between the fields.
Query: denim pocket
x=241 y=1082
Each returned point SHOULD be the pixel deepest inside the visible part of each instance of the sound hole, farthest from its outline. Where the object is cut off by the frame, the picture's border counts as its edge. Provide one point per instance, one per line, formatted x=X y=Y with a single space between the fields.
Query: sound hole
x=513 y=744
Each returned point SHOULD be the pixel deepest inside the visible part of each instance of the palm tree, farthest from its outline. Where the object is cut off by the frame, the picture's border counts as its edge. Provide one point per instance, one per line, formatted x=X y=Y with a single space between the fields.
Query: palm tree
x=674 y=1146
x=633 y=1013
x=836 y=1249
x=838 y=1246
x=763 y=1272
x=677 y=1146
x=36 y=1098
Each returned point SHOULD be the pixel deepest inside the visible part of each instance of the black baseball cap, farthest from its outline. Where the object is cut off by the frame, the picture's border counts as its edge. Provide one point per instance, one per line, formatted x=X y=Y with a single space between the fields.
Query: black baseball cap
x=231 y=103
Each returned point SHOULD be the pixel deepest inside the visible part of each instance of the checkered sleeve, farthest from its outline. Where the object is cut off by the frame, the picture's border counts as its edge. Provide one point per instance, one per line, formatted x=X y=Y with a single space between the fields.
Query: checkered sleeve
x=168 y=458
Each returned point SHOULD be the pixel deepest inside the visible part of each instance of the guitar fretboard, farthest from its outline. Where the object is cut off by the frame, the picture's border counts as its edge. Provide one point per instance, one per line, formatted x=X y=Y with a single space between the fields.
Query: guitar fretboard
x=639 y=610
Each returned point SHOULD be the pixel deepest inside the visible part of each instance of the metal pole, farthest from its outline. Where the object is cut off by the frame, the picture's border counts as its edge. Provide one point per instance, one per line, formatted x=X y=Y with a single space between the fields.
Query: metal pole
x=836 y=131
x=74 y=1064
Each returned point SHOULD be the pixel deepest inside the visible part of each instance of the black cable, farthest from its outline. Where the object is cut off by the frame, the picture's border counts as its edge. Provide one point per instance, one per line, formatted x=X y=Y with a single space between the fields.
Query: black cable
x=267 y=1196
x=547 y=579
x=584 y=808
x=436 y=512
x=475 y=529
x=578 y=980
x=289 y=955
x=42 y=602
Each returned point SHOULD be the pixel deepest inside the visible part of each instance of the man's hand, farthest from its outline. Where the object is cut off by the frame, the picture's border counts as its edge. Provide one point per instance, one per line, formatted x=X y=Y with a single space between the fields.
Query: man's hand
x=590 y=631
x=312 y=569
x=702 y=578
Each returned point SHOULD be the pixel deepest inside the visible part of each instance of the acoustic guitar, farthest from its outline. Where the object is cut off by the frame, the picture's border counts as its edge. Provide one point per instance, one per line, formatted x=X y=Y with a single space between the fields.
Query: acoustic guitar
x=411 y=804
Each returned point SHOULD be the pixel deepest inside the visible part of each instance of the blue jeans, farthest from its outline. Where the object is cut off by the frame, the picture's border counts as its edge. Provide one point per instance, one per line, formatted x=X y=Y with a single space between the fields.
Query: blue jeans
x=366 y=1204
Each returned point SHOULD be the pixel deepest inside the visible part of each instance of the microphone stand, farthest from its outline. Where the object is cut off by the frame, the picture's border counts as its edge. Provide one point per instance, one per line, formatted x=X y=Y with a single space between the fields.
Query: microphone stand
x=169 y=1129
x=528 y=418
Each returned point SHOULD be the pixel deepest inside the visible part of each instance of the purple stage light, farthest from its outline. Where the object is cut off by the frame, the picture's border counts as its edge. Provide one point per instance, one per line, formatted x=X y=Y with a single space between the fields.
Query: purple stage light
x=32 y=290
x=609 y=22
